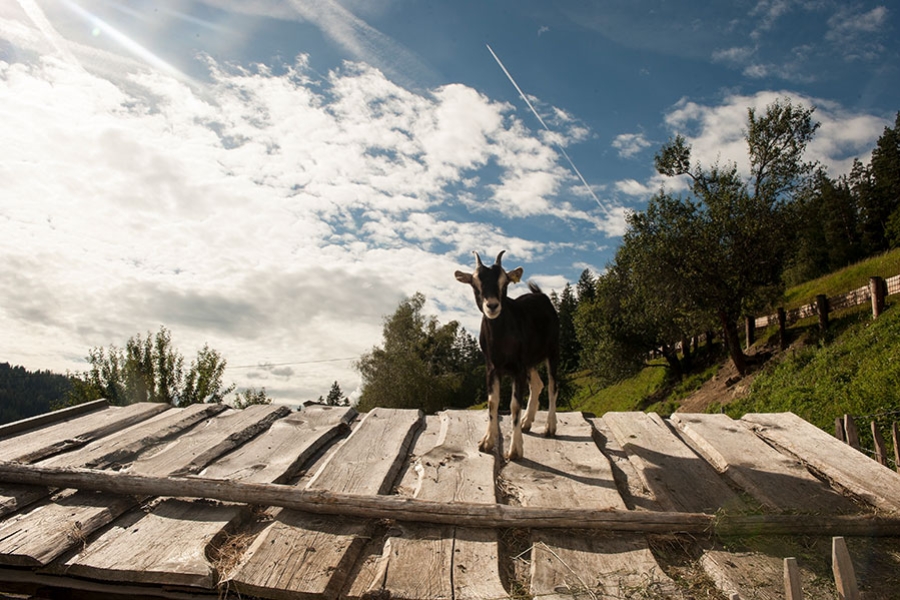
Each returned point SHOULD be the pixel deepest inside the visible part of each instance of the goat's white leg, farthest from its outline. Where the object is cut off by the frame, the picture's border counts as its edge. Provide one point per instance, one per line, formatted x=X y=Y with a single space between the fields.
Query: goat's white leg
x=493 y=429
x=516 y=446
x=552 y=391
x=534 y=393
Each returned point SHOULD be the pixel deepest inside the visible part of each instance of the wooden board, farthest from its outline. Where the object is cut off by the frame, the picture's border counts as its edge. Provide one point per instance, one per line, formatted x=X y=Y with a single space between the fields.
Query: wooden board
x=422 y=561
x=284 y=448
x=50 y=524
x=190 y=452
x=631 y=486
x=679 y=479
x=34 y=445
x=155 y=427
x=302 y=556
x=121 y=448
x=37 y=536
x=841 y=464
x=777 y=481
x=569 y=470
x=166 y=545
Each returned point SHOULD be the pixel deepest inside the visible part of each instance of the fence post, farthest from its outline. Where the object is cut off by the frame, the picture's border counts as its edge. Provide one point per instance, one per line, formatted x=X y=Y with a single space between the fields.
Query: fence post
x=842 y=567
x=880 y=448
x=895 y=435
x=792 y=588
x=851 y=432
x=822 y=310
x=782 y=327
x=839 y=432
x=877 y=291
x=750 y=330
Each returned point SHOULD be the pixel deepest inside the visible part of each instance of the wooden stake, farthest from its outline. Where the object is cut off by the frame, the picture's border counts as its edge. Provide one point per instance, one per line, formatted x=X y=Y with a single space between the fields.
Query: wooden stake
x=880 y=447
x=842 y=567
x=895 y=435
x=851 y=431
x=792 y=588
x=839 y=429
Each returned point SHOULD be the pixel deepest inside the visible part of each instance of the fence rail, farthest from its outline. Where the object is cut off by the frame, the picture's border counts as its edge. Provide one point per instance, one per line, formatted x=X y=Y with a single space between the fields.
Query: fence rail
x=850 y=299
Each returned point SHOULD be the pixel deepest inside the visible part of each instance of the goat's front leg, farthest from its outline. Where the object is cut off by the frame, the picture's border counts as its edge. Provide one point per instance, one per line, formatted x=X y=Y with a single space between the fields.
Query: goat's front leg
x=493 y=429
x=516 y=447
x=534 y=394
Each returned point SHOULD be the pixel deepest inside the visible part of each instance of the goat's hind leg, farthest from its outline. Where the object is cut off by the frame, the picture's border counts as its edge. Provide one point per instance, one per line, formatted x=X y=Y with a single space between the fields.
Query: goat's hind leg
x=535 y=386
x=552 y=392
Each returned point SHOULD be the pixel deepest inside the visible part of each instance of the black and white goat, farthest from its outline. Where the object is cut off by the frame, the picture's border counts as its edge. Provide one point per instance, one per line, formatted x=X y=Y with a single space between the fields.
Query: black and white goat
x=517 y=336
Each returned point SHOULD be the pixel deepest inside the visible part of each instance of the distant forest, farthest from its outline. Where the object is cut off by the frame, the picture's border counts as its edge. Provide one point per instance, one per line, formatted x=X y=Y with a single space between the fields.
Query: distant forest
x=25 y=393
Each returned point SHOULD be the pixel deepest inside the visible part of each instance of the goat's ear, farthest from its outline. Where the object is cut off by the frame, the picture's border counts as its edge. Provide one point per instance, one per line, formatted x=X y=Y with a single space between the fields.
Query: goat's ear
x=463 y=277
x=515 y=275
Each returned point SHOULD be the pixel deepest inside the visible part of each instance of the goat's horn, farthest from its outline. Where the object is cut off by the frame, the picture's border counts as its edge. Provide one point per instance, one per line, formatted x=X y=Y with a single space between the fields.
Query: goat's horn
x=477 y=260
x=499 y=256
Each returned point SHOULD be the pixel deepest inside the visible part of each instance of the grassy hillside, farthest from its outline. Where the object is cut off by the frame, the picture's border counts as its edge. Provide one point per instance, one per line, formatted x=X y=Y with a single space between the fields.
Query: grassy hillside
x=855 y=369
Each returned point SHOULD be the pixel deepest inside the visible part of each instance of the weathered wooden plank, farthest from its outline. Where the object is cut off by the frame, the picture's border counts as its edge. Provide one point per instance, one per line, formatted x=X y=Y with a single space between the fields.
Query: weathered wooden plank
x=631 y=486
x=115 y=449
x=453 y=562
x=287 y=446
x=34 y=445
x=678 y=478
x=191 y=452
x=191 y=524
x=121 y=448
x=35 y=537
x=166 y=545
x=841 y=464
x=62 y=414
x=569 y=470
x=299 y=555
x=14 y=498
x=777 y=481
x=566 y=565
x=49 y=525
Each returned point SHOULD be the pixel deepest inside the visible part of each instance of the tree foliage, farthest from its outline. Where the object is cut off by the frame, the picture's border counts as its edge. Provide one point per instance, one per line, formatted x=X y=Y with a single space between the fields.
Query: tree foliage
x=150 y=369
x=25 y=393
x=421 y=364
x=335 y=396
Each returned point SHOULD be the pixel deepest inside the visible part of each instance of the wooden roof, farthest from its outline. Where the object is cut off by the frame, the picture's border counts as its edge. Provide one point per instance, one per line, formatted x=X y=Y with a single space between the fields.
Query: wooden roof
x=206 y=501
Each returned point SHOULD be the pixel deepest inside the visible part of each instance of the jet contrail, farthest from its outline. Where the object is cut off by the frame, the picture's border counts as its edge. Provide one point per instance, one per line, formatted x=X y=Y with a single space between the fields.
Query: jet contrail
x=544 y=125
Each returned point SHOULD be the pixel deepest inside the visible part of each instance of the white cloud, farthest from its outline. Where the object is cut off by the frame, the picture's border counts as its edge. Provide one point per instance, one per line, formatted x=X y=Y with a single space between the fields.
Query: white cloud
x=275 y=217
x=630 y=144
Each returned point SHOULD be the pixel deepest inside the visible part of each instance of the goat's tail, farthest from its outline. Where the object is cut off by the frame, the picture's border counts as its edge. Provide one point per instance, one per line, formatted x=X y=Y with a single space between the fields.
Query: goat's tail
x=533 y=288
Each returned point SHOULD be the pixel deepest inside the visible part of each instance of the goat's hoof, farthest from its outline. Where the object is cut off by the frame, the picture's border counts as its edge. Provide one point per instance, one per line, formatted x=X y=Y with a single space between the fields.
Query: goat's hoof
x=513 y=454
x=526 y=425
x=549 y=433
x=486 y=445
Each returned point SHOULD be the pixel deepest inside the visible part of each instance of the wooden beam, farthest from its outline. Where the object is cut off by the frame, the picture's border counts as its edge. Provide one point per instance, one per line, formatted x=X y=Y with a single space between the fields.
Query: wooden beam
x=51 y=417
x=851 y=432
x=452 y=513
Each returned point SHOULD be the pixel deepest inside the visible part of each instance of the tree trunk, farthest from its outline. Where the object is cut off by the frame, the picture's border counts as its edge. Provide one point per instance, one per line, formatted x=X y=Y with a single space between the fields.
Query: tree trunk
x=671 y=356
x=732 y=340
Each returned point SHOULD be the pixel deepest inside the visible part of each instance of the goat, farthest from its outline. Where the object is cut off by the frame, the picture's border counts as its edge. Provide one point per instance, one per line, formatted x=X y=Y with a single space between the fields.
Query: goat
x=517 y=335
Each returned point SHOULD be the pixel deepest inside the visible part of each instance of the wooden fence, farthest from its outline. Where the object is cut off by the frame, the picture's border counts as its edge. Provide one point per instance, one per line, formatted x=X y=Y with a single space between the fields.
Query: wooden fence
x=846 y=430
x=875 y=292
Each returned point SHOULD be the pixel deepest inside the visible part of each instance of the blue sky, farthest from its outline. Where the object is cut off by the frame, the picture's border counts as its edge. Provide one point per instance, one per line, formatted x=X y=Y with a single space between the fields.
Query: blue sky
x=273 y=178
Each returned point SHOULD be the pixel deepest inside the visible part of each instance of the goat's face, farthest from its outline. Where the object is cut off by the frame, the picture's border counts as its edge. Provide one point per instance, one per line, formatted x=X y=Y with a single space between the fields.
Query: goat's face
x=489 y=285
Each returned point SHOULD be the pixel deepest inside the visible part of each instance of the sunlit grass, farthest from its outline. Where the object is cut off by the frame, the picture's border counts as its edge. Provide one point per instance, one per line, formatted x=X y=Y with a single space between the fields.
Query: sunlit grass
x=840 y=282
